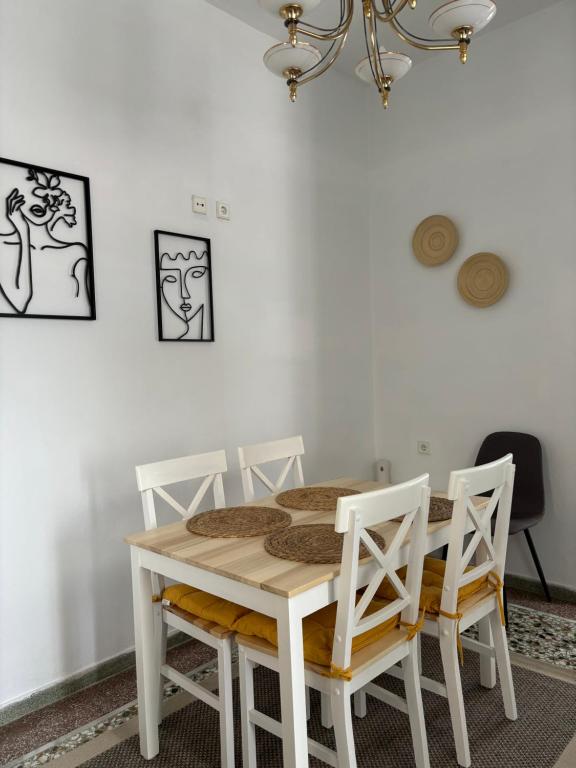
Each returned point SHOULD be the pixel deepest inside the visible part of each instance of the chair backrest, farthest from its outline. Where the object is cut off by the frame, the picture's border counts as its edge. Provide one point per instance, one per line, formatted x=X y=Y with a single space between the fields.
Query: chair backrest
x=250 y=456
x=488 y=549
x=152 y=479
x=407 y=501
x=528 y=498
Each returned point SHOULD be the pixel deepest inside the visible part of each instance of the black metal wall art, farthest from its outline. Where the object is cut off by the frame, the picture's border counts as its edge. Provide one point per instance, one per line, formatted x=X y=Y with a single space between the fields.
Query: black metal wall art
x=183 y=287
x=46 y=262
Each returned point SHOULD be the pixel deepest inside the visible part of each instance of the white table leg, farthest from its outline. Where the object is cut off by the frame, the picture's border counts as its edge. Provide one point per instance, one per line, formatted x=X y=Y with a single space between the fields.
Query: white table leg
x=147 y=658
x=292 y=689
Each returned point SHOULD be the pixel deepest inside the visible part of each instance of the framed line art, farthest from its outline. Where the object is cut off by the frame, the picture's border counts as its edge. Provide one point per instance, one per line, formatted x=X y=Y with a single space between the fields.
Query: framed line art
x=46 y=258
x=183 y=287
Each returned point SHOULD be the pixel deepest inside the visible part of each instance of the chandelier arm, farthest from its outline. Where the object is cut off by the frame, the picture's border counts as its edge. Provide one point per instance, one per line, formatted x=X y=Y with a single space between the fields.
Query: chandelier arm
x=374 y=55
x=431 y=45
x=330 y=30
x=391 y=12
x=337 y=33
x=324 y=57
x=369 y=52
x=319 y=70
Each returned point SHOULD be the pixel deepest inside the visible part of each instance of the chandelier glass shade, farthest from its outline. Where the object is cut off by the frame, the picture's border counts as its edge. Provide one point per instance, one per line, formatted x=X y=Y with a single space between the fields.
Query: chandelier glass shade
x=299 y=61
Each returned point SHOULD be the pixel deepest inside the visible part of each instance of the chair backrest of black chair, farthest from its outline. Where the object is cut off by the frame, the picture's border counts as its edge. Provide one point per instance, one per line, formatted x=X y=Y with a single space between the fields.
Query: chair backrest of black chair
x=528 y=497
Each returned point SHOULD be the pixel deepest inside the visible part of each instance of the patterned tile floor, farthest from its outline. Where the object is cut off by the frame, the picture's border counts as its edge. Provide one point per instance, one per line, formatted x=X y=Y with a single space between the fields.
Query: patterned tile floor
x=537 y=630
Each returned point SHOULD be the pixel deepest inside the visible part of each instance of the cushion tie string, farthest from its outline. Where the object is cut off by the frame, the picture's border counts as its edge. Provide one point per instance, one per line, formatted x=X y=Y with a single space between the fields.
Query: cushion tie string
x=341 y=674
x=456 y=617
x=498 y=585
x=156 y=598
x=413 y=629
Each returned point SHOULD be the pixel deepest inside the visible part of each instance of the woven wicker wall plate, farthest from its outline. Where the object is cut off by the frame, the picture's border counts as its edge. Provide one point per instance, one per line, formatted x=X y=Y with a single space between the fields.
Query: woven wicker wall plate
x=435 y=240
x=483 y=279
x=238 y=522
x=314 y=498
x=312 y=544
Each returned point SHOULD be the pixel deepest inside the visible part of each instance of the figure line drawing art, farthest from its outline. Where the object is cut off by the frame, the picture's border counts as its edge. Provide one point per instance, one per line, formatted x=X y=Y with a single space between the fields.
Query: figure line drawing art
x=45 y=273
x=184 y=287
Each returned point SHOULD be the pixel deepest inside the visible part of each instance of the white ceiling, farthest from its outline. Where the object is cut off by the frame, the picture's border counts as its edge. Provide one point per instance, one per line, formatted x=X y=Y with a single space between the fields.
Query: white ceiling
x=416 y=21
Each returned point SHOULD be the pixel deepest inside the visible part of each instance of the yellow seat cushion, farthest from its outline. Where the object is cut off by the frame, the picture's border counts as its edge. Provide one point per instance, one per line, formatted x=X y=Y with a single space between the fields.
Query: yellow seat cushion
x=204 y=605
x=432 y=582
x=317 y=631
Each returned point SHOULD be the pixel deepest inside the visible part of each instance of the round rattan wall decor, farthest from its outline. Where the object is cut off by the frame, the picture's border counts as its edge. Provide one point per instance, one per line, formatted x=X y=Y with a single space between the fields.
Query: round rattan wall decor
x=314 y=499
x=238 y=522
x=483 y=279
x=312 y=544
x=435 y=240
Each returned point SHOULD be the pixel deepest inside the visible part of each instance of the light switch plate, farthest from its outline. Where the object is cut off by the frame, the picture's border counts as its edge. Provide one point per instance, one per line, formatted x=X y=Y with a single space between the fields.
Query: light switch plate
x=199 y=204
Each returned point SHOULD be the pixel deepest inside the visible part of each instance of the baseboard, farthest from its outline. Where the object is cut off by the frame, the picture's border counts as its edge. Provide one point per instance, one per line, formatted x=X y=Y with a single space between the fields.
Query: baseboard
x=77 y=682
x=533 y=586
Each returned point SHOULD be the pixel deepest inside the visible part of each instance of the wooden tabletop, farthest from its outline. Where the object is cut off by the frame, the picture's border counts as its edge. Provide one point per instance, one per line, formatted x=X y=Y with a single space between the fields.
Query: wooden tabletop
x=245 y=559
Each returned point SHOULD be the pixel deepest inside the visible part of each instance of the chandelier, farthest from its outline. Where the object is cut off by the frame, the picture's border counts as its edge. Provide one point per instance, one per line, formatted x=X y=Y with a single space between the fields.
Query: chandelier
x=299 y=61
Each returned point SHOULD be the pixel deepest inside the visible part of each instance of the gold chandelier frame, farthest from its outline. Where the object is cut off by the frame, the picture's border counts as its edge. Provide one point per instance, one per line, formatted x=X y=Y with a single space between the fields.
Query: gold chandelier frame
x=375 y=13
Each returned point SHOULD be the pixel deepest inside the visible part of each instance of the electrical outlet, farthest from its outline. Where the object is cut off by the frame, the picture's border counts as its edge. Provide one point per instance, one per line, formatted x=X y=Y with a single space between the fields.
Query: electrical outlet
x=424 y=447
x=199 y=204
x=223 y=210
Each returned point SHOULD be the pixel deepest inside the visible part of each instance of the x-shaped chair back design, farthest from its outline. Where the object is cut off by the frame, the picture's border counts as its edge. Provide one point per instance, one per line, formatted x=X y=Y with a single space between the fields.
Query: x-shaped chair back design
x=251 y=456
x=489 y=550
x=409 y=504
x=152 y=479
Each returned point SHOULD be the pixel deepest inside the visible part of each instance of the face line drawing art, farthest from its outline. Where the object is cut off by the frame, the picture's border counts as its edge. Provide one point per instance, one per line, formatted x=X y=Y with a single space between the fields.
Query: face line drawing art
x=180 y=279
x=34 y=214
x=184 y=288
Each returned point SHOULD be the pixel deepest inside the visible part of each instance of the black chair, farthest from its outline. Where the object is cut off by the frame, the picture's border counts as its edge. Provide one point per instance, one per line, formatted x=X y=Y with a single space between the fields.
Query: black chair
x=528 y=500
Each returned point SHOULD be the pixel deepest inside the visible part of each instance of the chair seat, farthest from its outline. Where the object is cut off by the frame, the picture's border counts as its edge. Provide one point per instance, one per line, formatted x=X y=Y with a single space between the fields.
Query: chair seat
x=318 y=632
x=216 y=630
x=518 y=524
x=432 y=583
x=202 y=606
x=360 y=660
x=468 y=603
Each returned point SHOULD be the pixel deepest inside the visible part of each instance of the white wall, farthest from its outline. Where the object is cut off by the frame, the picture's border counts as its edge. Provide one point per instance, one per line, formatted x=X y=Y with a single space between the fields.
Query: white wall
x=492 y=145
x=154 y=101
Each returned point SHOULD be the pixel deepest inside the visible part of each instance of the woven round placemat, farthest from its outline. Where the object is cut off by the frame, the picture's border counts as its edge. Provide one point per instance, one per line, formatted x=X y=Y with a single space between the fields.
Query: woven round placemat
x=238 y=522
x=440 y=510
x=483 y=279
x=312 y=544
x=314 y=499
x=435 y=240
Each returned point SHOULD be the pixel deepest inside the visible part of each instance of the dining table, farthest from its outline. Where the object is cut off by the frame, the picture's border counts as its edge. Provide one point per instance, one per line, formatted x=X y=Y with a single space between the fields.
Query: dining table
x=242 y=571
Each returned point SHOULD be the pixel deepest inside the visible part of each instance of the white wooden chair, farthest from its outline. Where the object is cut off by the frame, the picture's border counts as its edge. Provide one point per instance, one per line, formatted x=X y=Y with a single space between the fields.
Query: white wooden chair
x=251 y=456
x=152 y=479
x=355 y=671
x=484 y=607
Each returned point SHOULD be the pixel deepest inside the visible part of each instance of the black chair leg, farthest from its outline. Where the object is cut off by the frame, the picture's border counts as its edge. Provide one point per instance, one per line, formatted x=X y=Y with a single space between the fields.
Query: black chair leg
x=505 y=601
x=445 y=552
x=537 y=564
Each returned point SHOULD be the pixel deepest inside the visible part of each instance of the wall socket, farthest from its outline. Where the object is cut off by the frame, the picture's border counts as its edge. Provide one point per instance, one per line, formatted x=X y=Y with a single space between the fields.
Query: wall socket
x=199 y=204
x=424 y=447
x=222 y=210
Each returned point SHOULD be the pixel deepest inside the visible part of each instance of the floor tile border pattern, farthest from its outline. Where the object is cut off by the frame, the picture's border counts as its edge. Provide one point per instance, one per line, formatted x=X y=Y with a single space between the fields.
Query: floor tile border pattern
x=109 y=722
x=533 y=635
